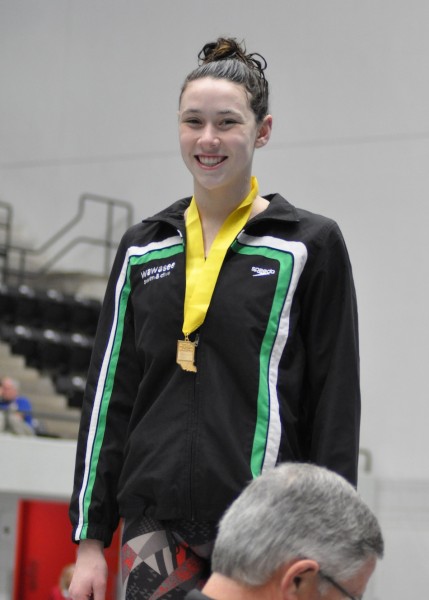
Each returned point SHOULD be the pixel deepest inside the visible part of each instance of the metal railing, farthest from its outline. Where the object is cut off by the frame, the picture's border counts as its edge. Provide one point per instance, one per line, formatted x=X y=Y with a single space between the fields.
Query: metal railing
x=20 y=257
x=5 y=233
x=367 y=459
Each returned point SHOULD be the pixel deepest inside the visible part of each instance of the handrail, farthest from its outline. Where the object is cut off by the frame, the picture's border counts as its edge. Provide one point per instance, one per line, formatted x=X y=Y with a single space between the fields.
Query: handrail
x=21 y=272
x=64 y=250
x=6 y=226
x=367 y=456
x=79 y=215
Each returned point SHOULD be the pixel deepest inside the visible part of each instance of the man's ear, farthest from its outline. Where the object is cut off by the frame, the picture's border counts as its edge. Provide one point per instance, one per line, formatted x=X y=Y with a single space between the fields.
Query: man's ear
x=264 y=131
x=300 y=580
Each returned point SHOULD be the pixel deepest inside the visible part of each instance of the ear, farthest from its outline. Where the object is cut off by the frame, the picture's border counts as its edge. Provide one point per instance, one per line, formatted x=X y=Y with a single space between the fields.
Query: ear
x=299 y=580
x=264 y=131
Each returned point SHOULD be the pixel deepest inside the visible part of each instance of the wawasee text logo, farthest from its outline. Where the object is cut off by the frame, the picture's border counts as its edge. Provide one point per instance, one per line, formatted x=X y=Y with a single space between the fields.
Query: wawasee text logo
x=260 y=272
x=152 y=273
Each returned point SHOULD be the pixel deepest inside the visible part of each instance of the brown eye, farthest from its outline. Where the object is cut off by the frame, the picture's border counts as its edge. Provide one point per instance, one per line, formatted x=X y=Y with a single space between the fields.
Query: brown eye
x=191 y=121
x=228 y=122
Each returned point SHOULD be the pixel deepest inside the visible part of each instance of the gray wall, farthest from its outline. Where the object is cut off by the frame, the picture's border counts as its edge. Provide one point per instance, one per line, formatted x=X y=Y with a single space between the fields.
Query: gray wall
x=88 y=102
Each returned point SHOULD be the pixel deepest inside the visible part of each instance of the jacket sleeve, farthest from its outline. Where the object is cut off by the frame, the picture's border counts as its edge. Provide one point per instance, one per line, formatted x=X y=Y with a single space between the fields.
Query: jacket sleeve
x=112 y=382
x=330 y=329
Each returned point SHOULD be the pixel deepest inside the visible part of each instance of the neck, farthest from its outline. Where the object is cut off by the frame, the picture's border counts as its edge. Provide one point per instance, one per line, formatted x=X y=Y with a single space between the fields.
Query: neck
x=214 y=207
x=220 y=587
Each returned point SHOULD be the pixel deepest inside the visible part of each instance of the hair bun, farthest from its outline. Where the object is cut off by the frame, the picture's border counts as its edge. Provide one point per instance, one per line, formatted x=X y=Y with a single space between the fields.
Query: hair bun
x=229 y=48
x=222 y=49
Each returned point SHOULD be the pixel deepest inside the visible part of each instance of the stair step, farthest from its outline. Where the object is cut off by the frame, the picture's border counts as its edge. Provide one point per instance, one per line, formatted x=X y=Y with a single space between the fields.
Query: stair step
x=40 y=390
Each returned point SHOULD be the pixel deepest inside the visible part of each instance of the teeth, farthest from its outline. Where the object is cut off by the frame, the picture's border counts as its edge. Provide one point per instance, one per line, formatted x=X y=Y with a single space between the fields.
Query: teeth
x=210 y=161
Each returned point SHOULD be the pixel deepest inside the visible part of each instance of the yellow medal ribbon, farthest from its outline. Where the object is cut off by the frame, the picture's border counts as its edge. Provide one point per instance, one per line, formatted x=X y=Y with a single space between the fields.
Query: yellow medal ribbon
x=201 y=274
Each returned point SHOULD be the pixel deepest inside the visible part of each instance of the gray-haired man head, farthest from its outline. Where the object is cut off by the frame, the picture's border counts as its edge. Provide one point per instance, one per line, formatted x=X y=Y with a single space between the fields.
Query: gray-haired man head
x=297 y=532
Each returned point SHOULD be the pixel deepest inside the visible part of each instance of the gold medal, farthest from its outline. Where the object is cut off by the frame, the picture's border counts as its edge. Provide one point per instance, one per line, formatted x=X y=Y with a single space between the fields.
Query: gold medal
x=185 y=356
x=202 y=274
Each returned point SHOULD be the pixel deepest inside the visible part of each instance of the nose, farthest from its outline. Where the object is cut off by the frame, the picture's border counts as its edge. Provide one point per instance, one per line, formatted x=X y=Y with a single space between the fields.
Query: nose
x=209 y=137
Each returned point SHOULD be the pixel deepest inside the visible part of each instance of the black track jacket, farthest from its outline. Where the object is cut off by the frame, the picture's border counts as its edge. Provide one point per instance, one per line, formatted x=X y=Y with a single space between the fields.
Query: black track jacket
x=277 y=378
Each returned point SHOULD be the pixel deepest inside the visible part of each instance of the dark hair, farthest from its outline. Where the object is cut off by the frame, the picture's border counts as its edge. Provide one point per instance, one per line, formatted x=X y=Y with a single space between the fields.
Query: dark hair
x=227 y=59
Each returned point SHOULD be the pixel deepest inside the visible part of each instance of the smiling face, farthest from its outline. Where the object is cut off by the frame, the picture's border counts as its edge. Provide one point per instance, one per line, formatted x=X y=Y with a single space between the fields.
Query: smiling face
x=218 y=134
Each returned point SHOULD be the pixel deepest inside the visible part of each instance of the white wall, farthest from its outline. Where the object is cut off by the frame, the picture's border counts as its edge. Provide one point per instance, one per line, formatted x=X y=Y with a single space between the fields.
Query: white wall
x=20 y=479
x=88 y=103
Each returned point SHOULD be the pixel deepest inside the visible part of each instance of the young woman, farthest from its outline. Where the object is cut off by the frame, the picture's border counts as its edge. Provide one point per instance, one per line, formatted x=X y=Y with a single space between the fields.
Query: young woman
x=227 y=344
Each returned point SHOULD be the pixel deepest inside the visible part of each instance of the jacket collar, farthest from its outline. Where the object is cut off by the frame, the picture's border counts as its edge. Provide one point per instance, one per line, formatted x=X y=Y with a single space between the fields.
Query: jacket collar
x=279 y=209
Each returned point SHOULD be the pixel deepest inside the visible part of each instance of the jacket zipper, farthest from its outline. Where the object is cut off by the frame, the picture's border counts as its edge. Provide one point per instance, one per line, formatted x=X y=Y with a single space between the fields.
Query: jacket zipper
x=194 y=430
x=194 y=418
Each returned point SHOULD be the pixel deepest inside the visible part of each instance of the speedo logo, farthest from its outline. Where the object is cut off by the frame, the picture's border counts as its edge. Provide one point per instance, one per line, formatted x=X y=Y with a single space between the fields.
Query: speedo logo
x=157 y=272
x=260 y=272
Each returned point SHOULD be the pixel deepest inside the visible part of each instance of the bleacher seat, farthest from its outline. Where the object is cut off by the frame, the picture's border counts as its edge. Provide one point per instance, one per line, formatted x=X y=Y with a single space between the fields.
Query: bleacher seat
x=54 y=310
x=80 y=349
x=52 y=331
x=7 y=304
x=23 y=340
x=73 y=388
x=48 y=309
x=27 y=306
x=84 y=313
x=53 y=351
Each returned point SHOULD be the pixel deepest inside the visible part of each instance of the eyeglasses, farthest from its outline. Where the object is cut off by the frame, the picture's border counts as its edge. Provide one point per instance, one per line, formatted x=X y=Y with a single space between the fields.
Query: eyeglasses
x=339 y=587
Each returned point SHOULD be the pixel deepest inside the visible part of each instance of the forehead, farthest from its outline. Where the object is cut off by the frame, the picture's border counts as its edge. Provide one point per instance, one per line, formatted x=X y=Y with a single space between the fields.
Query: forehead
x=209 y=92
